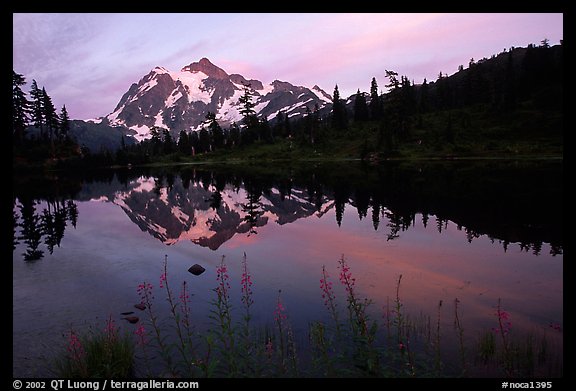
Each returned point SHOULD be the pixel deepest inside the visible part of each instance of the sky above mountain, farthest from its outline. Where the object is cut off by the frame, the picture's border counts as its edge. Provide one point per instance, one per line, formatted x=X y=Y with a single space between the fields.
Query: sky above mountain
x=88 y=61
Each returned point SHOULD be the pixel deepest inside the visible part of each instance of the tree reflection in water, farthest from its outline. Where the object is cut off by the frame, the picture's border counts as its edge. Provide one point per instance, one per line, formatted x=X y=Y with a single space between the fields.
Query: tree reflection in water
x=509 y=202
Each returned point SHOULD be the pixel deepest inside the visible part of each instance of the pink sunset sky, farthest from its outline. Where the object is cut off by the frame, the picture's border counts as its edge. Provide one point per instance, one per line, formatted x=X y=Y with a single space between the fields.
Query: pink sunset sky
x=88 y=61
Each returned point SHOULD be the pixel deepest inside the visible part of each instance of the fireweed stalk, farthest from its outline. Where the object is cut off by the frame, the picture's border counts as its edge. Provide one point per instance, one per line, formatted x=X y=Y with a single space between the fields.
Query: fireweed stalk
x=329 y=298
x=504 y=326
x=142 y=341
x=363 y=336
x=108 y=354
x=438 y=362
x=246 y=288
x=398 y=311
x=223 y=316
x=460 y=330
x=77 y=353
x=184 y=347
x=286 y=338
x=279 y=318
x=100 y=353
x=185 y=310
x=247 y=301
x=356 y=308
x=146 y=297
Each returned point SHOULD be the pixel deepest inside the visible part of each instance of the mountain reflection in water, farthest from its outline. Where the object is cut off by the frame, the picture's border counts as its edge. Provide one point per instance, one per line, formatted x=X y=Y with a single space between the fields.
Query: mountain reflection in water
x=510 y=202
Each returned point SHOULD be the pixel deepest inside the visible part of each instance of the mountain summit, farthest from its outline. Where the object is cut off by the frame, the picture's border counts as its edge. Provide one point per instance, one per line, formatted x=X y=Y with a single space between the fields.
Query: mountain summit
x=206 y=67
x=180 y=100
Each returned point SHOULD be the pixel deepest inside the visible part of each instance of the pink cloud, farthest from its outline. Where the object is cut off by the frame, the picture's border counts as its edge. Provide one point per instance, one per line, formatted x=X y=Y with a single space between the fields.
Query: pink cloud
x=416 y=45
x=305 y=49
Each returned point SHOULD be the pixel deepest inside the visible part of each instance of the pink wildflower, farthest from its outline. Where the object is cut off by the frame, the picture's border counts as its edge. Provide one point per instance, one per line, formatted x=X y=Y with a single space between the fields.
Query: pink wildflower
x=110 y=328
x=326 y=288
x=75 y=347
x=503 y=320
x=279 y=312
x=184 y=294
x=222 y=278
x=141 y=334
x=145 y=292
x=246 y=283
x=346 y=277
x=269 y=348
x=555 y=326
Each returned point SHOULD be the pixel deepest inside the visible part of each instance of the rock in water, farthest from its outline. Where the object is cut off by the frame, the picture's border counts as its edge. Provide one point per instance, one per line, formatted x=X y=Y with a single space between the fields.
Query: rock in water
x=140 y=306
x=127 y=313
x=196 y=269
x=132 y=319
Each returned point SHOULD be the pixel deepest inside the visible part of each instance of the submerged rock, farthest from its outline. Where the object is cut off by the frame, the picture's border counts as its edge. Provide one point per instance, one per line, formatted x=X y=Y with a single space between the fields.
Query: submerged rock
x=140 y=306
x=132 y=319
x=196 y=269
x=127 y=313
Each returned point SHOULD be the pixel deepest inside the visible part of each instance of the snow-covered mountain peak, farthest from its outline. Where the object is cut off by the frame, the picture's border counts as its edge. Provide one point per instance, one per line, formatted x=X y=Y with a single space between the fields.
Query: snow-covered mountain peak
x=322 y=94
x=180 y=100
x=206 y=67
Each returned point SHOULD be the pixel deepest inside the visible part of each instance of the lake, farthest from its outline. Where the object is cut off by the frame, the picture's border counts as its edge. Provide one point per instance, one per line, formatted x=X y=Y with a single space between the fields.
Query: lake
x=476 y=231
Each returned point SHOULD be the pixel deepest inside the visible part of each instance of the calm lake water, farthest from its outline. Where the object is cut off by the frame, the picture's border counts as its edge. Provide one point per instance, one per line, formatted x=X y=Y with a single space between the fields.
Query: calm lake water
x=475 y=231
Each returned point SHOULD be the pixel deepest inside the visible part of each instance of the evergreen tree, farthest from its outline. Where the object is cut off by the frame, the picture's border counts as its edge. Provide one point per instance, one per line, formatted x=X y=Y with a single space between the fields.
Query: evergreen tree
x=247 y=109
x=424 y=96
x=360 y=107
x=194 y=141
x=37 y=107
x=234 y=135
x=249 y=118
x=203 y=140
x=509 y=85
x=156 y=139
x=65 y=124
x=315 y=135
x=339 y=120
x=168 y=142
x=184 y=143
x=442 y=101
x=279 y=125
x=408 y=99
x=216 y=132
x=287 y=126
x=308 y=132
x=265 y=131
x=50 y=116
x=375 y=101
x=393 y=82
x=20 y=107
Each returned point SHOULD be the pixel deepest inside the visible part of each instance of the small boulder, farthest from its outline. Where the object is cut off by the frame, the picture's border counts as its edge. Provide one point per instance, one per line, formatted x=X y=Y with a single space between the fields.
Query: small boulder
x=140 y=306
x=132 y=319
x=196 y=269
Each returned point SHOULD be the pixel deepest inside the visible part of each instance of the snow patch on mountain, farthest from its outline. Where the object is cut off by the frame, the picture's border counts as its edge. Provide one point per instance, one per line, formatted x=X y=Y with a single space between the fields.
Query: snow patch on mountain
x=193 y=83
x=229 y=108
x=173 y=98
x=142 y=132
x=266 y=90
x=180 y=100
x=321 y=94
x=260 y=106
